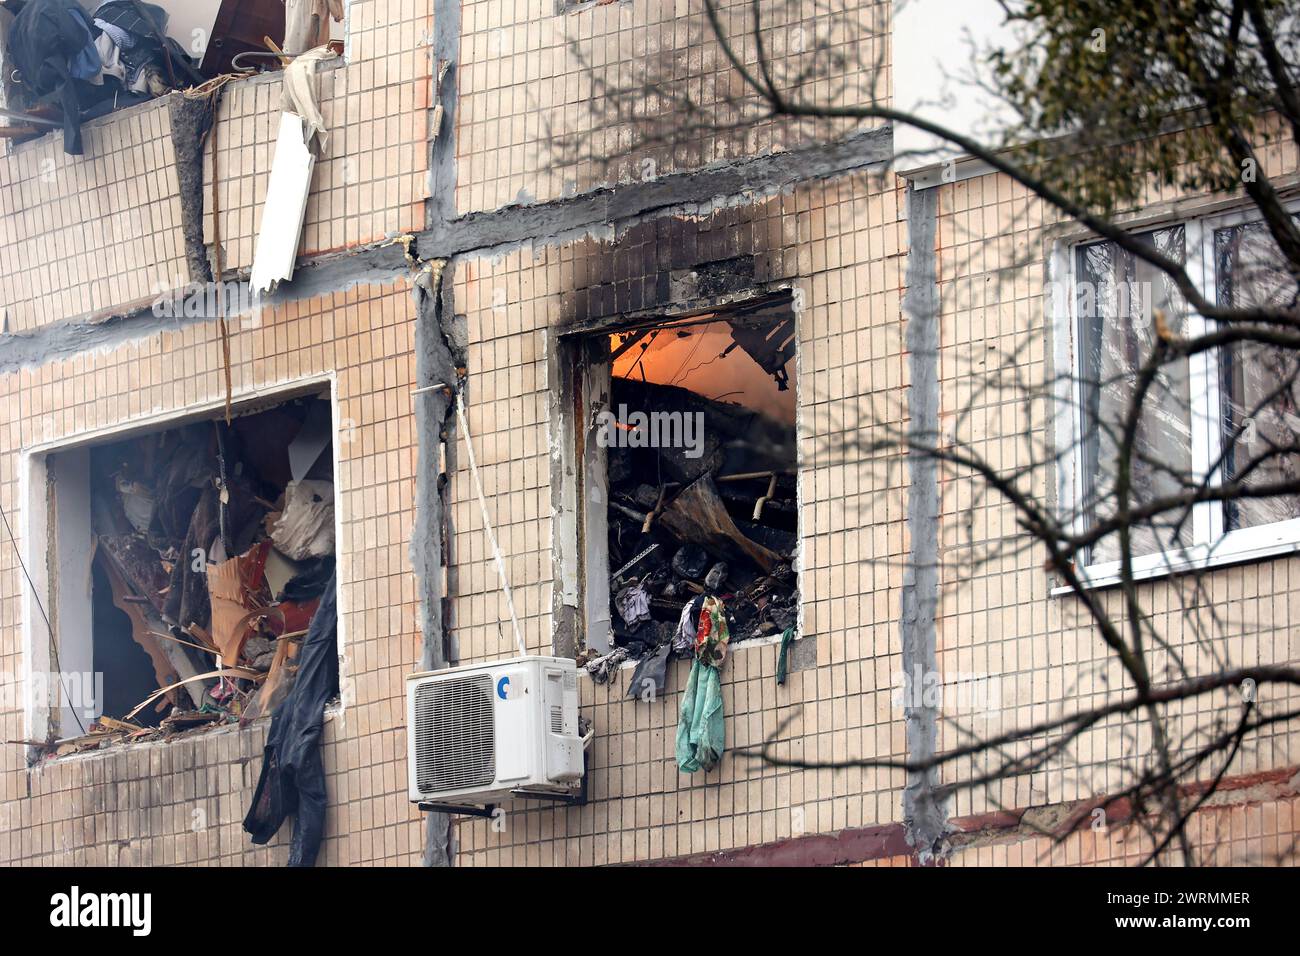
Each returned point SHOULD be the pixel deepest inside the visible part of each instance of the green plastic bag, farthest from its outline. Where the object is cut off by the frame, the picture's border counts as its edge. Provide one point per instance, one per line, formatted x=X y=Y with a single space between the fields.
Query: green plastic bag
x=701 y=735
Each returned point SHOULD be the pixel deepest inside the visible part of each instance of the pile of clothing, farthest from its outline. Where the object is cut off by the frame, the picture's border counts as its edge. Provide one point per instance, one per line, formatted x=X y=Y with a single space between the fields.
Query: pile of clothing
x=92 y=64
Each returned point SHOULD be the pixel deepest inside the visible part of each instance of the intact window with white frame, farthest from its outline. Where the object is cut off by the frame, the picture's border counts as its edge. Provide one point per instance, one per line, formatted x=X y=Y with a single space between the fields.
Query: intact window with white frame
x=1230 y=415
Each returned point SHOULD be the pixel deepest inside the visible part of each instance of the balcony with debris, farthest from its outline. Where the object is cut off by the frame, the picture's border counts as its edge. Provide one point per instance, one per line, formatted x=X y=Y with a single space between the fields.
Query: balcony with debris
x=73 y=62
x=147 y=152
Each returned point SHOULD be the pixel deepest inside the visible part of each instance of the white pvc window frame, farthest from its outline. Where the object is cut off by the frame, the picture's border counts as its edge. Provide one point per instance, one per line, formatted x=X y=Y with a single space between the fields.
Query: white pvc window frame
x=1211 y=545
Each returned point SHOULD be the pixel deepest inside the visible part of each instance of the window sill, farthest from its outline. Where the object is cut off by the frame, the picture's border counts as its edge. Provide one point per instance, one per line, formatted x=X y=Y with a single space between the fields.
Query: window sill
x=767 y=640
x=333 y=712
x=1201 y=558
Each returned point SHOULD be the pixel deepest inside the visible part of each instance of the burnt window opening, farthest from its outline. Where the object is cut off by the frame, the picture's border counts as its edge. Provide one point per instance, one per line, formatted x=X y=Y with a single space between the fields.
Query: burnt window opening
x=689 y=477
x=173 y=554
x=68 y=62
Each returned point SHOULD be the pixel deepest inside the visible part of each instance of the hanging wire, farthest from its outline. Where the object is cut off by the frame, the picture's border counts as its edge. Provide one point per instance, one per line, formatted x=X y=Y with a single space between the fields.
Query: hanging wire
x=54 y=647
x=487 y=524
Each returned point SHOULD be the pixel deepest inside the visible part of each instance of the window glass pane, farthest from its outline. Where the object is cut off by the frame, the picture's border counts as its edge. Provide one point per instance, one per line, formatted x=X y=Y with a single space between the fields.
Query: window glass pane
x=1116 y=298
x=1260 y=415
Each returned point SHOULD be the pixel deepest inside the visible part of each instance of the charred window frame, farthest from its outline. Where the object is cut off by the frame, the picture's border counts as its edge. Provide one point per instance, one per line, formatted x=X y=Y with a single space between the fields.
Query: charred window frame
x=594 y=509
x=1100 y=307
x=91 y=663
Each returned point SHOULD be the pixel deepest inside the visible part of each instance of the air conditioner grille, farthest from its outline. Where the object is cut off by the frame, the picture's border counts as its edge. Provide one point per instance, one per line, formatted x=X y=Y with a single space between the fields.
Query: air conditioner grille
x=455 y=740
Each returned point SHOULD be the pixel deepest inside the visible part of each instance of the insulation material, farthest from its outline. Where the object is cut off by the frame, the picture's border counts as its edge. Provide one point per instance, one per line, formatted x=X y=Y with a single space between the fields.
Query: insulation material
x=305 y=528
x=137 y=502
x=232 y=589
x=285 y=207
x=280 y=571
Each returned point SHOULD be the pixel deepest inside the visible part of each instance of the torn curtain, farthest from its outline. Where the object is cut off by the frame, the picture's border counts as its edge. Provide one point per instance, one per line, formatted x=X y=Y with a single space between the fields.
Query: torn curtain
x=293 y=775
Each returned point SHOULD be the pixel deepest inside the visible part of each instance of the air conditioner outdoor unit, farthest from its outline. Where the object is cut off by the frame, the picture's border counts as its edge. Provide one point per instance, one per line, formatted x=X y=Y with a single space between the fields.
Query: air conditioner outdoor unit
x=483 y=733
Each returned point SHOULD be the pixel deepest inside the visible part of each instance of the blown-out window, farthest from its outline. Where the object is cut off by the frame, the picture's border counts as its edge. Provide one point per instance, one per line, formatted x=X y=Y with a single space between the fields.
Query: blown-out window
x=181 y=568
x=688 y=477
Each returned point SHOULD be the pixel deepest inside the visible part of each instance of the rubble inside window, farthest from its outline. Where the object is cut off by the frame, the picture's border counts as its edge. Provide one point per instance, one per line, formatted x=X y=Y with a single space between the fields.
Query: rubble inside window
x=699 y=446
x=69 y=62
x=211 y=546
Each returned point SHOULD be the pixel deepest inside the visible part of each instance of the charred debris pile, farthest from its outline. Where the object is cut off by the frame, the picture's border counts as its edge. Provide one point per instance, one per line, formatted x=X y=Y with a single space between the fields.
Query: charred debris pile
x=706 y=503
x=213 y=545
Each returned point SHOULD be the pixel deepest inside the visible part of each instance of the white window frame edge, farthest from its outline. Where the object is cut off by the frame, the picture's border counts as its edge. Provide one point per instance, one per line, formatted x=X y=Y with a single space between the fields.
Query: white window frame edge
x=34 y=531
x=1211 y=547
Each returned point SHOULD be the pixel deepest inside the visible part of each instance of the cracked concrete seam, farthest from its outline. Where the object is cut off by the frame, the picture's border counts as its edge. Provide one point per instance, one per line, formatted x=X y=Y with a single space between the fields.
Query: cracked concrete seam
x=439 y=354
x=379 y=264
x=925 y=814
x=440 y=348
x=743 y=181
x=490 y=233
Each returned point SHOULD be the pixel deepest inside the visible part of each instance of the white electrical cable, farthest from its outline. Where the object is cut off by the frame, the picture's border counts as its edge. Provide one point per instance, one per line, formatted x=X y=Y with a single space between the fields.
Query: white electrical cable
x=487 y=524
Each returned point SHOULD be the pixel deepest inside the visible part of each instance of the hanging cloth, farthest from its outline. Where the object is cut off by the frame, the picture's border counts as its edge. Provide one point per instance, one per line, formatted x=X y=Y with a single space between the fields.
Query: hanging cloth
x=701 y=729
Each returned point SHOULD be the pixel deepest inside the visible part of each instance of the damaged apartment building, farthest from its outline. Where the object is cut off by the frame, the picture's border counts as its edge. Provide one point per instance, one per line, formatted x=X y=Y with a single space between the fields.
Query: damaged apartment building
x=324 y=369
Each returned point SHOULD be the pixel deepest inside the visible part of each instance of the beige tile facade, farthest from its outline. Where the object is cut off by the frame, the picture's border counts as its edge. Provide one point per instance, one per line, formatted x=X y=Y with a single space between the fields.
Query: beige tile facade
x=833 y=244
x=183 y=801
x=545 y=95
x=86 y=234
x=994 y=244
x=106 y=231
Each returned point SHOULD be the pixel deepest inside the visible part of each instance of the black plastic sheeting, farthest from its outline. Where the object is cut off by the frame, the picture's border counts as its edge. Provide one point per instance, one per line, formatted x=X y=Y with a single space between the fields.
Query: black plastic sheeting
x=650 y=679
x=45 y=40
x=292 y=781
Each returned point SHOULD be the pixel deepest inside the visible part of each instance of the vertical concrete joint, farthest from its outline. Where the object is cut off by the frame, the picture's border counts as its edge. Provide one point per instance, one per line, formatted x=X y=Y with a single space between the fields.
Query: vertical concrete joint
x=191 y=120
x=445 y=102
x=436 y=361
x=440 y=352
x=924 y=812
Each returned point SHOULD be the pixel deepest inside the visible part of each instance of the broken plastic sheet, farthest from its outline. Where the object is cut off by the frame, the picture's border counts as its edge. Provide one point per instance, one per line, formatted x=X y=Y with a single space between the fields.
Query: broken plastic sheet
x=697 y=515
